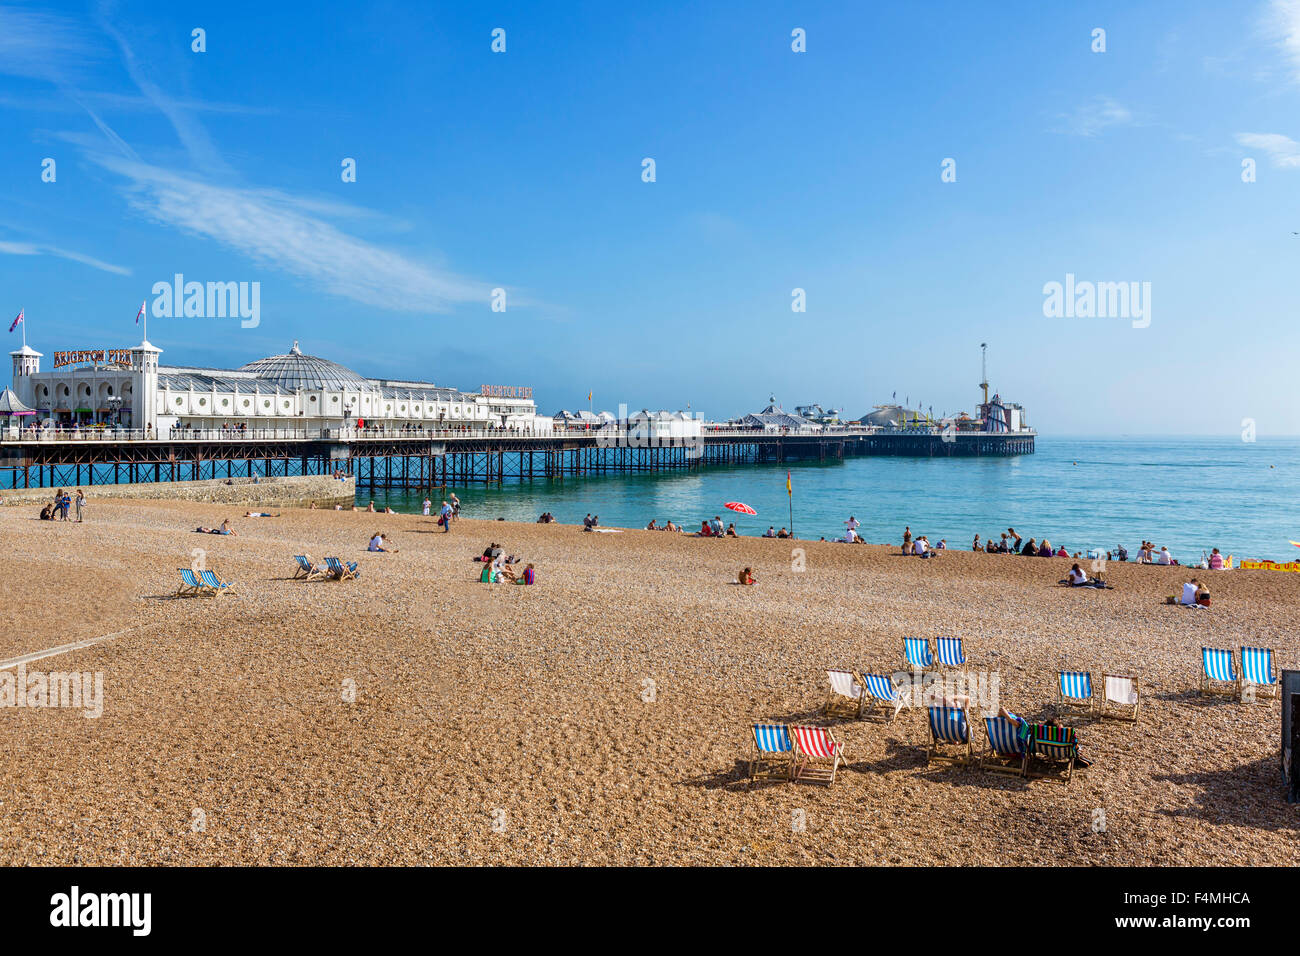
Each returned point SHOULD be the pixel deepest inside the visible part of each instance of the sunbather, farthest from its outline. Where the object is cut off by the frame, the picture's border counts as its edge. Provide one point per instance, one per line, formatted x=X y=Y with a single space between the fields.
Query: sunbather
x=746 y=576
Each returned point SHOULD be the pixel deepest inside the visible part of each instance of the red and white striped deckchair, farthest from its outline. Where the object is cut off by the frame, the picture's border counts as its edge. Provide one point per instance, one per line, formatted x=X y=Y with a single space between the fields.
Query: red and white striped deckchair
x=817 y=753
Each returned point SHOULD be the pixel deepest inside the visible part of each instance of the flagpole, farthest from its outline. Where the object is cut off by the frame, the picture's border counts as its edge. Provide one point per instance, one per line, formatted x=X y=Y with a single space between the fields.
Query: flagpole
x=23 y=313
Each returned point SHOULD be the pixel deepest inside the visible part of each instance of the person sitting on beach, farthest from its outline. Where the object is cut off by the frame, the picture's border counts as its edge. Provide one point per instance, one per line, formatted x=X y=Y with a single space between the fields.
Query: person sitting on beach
x=669 y=526
x=1165 y=557
x=783 y=533
x=990 y=547
x=1192 y=594
x=977 y=546
x=1030 y=548
x=717 y=526
x=486 y=575
x=1216 y=560
x=1121 y=553
x=227 y=529
x=942 y=545
x=1045 y=549
x=1202 y=595
x=1062 y=553
x=907 y=539
x=770 y=532
x=1023 y=730
x=528 y=577
x=1077 y=576
x=652 y=526
x=851 y=536
x=746 y=576
x=586 y=522
x=380 y=543
x=731 y=531
x=371 y=507
x=921 y=547
x=47 y=513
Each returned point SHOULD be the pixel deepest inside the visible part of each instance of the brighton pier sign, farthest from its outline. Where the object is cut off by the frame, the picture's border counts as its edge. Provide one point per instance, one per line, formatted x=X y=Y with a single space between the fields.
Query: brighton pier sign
x=508 y=391
x=93 y=356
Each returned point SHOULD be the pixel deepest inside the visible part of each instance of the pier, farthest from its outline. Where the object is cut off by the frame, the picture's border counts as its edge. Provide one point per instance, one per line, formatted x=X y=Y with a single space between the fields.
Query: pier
x=433 y=458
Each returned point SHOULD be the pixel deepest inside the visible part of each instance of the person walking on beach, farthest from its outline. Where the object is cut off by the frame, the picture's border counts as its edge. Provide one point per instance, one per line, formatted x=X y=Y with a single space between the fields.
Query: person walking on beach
x=445 y=517
x=81 y=504
x=455 y=506
x=428 y=506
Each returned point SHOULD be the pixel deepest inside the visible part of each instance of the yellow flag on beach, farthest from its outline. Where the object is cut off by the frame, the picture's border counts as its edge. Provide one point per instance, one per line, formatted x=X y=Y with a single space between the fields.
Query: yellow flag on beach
x=788 y=489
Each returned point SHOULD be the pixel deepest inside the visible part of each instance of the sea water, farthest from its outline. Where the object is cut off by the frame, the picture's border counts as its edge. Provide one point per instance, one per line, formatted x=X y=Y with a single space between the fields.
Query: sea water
x=1190 y=494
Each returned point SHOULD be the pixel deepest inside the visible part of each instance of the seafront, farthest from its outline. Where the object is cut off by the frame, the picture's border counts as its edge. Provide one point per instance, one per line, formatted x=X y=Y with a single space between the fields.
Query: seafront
x=602 y=716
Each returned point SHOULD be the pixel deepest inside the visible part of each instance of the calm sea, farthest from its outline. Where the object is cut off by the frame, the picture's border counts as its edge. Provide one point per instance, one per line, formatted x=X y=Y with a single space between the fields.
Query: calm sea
x=1190 y=494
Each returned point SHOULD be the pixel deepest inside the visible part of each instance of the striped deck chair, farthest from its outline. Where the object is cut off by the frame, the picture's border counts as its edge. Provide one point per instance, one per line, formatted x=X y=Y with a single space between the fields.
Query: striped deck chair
x=817 y=753
x=339 y=571
x=881 y=696
x=1119 y=697
x=950 y=652
x=845 y=697
x=949 y=737
x=1257 y=672
x=1051 y=752
x=214 y=585
x=1074 y=691
x=1218 y=668
x=773 y=757
x=306 y=570
x=916 y=651
x=190 y=583
x=1007 y=750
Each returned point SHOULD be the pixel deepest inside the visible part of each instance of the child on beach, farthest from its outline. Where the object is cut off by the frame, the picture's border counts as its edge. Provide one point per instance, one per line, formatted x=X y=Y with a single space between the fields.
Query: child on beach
x=746 y=576
x=81 y=505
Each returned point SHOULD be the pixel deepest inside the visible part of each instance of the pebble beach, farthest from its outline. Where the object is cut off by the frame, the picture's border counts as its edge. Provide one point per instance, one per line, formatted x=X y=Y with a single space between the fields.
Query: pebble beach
x=416 y=716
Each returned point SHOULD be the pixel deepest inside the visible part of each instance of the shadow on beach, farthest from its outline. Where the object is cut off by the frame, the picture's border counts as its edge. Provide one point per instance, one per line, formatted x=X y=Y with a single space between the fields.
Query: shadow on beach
x=1221 y=791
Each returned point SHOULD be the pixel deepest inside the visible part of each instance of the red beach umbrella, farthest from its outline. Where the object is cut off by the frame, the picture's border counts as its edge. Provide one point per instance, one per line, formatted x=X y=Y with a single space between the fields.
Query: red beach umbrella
x=743 y=508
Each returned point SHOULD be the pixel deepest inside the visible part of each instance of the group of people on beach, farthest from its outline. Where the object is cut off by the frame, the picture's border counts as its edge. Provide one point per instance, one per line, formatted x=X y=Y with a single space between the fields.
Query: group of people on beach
x=1010 y=542
x=57 y=508
x=498 y=568
x=920 y=545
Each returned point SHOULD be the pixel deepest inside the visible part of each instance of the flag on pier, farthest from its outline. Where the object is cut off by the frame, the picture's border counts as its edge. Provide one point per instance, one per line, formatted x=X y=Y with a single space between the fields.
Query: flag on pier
x=17 y=321
x=140 y=313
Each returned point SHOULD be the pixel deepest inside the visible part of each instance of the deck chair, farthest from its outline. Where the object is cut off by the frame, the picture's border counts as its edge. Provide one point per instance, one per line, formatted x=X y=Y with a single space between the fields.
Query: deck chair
x=1119 y=697
x=1257 y=671
x=773 y=757
x=881 y=695
x=949 y=737
x=950 y=652
x=1217 y=669
x=1007 y=750
x=916 y=651
x=1074 y=691
x=1051 y=752
x=339 y=571
x=817 y=753
x=306 y=570
x=214 y=586
x=845 y=697
x=190 y=583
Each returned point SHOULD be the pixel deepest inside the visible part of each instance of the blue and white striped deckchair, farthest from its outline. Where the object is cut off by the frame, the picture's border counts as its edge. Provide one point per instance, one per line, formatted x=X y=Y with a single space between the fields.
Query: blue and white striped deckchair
x=845 y=697
x=916 y=651
x=190 y=583
x=950 y=651
x=1257 y=671
x=948 y=728
x=341 y=572
x=773 y=757
x=1074 y=689
x=214 y=585
x=881 y=695
x=1217 y=668
x=1006 y=753
x=306 y=570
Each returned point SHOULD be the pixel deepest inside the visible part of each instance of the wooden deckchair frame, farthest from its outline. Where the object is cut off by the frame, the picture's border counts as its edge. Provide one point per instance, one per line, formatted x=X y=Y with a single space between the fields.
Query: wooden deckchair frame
x=813 y=767
x=964 y=756
x=213 y=590
x=770 y=764
x=996 y=761
x=1212 y=685
x=190 y=590
x=837 y=705
x=1057 y=768
x=1076 y=704
x=303 y=574
x=1113 y=710
x=871 y=704
x=343 y=574
x=1261 y=690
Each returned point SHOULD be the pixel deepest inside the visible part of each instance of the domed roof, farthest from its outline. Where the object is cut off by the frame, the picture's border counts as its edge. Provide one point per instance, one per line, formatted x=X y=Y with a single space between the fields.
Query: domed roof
x=296 y=370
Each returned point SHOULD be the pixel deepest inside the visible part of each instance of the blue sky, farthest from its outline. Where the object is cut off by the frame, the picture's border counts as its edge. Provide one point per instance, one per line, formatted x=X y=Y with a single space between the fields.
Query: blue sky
x=775 y=170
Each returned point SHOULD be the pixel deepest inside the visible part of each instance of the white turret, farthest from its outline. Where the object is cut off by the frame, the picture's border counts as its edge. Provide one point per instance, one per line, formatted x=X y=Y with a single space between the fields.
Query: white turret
x=27 y=362
x=144 y=386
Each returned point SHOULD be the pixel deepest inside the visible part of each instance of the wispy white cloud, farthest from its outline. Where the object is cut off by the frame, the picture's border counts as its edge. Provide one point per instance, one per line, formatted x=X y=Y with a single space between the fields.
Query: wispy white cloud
x=41 y=46
x=1282 y=150
x=1283 y=25
x=40 y=249
x=280 y=231
x=1091 y=118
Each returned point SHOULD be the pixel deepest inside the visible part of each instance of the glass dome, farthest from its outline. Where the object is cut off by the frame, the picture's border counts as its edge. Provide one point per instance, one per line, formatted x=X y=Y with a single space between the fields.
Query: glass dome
x=296 y=370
